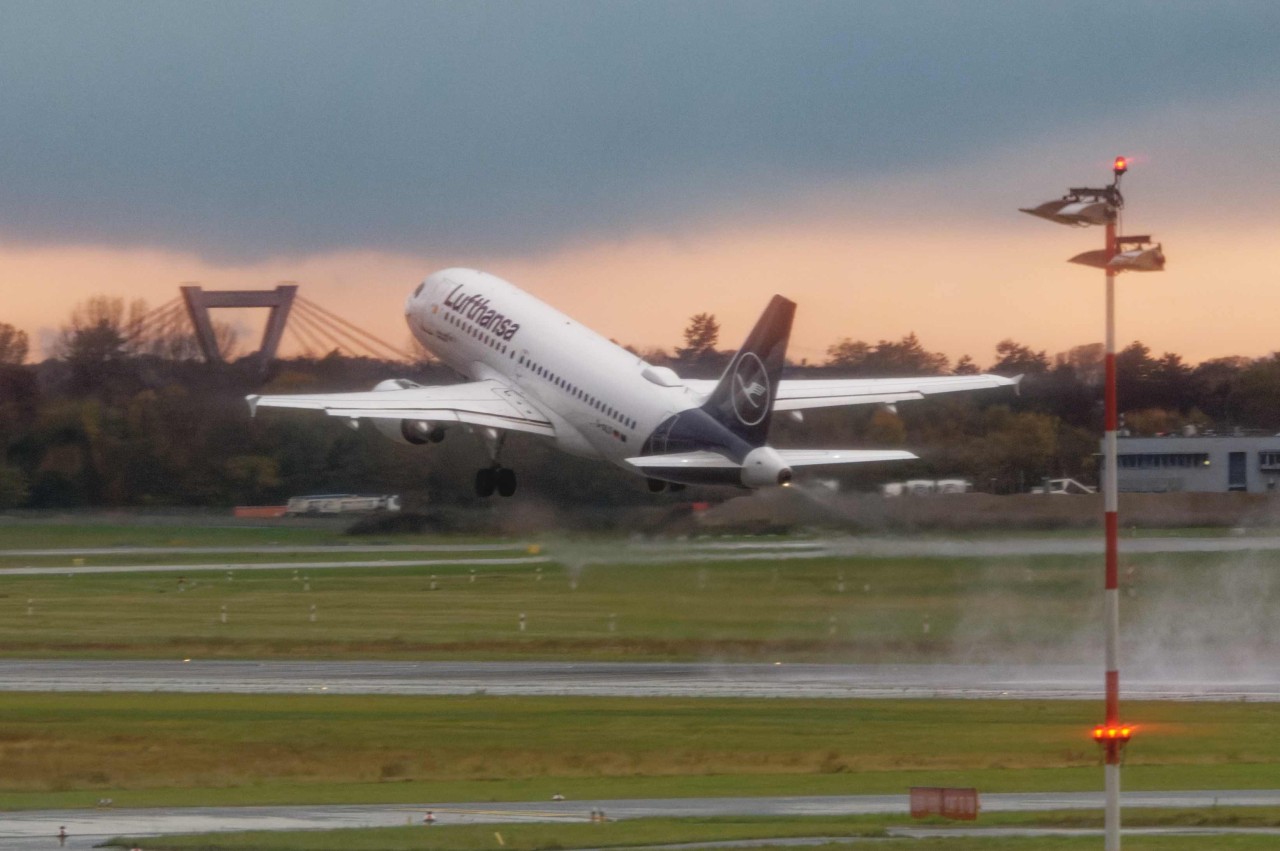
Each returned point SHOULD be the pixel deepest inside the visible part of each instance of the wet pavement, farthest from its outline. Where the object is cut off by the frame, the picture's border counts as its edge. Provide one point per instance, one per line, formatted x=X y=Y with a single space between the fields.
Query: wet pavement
x=20 y=831
x=658 y=679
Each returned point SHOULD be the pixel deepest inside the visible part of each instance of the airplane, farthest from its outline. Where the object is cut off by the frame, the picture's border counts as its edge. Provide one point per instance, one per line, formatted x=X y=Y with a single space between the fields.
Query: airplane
x=534 y=370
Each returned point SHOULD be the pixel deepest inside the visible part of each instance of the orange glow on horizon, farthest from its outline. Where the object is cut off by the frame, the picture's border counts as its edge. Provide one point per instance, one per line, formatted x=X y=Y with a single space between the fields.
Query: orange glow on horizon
x=960 y=289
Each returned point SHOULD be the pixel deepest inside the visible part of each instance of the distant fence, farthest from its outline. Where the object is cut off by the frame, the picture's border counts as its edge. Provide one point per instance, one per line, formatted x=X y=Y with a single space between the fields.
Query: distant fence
x=953 y=803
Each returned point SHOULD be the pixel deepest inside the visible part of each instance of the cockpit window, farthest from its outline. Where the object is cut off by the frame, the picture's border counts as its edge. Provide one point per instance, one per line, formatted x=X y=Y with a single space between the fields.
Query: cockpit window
x=418 y=291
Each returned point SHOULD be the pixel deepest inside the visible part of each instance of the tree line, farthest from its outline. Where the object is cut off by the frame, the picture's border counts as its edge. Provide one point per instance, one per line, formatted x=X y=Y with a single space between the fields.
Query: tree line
x=119 y=418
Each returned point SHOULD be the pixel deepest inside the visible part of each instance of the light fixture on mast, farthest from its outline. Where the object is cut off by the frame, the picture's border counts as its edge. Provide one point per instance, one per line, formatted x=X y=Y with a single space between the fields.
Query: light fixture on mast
x=1083 y=206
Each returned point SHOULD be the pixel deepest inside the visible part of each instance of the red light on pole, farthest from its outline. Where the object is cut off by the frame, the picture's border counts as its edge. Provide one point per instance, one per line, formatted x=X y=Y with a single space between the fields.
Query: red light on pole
x=1112 y=735
x=1120 y=166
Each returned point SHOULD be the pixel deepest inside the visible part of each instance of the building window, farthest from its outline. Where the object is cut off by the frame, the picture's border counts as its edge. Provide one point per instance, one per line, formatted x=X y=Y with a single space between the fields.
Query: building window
x=1163 y=460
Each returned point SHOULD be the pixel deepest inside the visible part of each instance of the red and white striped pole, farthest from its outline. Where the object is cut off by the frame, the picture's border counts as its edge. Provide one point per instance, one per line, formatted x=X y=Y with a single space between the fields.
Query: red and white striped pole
x=1111 y=593
x=1091 y=206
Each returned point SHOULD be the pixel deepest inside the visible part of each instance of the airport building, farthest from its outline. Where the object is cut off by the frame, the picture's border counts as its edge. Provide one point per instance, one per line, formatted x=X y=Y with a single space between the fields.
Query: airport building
x=1200 y=463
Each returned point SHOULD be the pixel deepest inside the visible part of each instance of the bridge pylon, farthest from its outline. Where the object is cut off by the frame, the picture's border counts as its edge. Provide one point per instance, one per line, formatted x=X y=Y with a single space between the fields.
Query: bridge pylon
x=199 y=301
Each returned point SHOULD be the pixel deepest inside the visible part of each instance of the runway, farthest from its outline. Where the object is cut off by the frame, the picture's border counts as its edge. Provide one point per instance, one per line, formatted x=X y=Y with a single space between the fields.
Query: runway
x=87 y=828
x=576 y=554
x=81 y=552
x=274 y=565
x=633 y=679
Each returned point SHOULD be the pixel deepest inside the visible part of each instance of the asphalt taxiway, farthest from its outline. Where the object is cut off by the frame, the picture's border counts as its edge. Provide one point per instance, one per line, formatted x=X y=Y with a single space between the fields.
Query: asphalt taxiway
x=87 y=828
x=582 y=553
x=615 y=679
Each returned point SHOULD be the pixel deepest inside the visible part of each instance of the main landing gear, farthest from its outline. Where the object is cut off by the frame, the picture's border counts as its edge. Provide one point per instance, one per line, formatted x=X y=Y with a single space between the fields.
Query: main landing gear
x=501 y=479
x=495 y=477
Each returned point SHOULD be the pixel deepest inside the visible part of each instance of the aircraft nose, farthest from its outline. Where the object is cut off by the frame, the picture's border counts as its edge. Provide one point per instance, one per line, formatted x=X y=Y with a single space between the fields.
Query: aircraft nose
x=433 y=285
x=424 y=293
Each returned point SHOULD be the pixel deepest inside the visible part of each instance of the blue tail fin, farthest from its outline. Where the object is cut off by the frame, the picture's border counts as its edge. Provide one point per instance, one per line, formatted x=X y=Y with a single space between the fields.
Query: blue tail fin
x=743 y=400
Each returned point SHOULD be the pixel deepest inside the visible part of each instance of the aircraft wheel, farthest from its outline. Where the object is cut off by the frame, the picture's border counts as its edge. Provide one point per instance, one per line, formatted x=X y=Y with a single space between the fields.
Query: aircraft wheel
x=435 y=435
x=486 y=481
x=506 y=481
x=656 y=485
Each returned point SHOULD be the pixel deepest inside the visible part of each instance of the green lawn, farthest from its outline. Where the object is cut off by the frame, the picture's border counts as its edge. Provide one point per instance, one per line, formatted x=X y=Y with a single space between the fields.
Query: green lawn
x=889 y=609
x=17 y=533
x=172 y=749
x=582 y=607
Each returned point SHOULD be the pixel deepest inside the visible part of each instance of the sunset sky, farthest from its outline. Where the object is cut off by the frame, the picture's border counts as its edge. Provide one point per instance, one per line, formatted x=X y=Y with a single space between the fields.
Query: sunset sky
x=635 y=163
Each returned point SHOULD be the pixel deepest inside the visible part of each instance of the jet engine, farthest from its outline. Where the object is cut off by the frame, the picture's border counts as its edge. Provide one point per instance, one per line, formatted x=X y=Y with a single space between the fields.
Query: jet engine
x=415 y=432
x=764 y=467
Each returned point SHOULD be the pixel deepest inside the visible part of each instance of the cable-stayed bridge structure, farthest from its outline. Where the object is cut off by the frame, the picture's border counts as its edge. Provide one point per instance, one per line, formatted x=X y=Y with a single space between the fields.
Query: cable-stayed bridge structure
x=311 y=328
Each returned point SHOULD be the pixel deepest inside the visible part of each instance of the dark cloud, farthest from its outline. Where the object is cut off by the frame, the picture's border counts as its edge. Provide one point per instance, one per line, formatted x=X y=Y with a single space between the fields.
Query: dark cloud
x=240 y=130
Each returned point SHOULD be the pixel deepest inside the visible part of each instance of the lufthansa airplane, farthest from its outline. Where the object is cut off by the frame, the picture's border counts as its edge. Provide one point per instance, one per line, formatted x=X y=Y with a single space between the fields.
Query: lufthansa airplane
x=532 y=369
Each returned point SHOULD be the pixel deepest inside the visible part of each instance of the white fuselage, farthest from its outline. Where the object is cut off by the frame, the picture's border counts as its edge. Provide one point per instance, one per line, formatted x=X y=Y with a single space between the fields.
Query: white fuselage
x=603 y=401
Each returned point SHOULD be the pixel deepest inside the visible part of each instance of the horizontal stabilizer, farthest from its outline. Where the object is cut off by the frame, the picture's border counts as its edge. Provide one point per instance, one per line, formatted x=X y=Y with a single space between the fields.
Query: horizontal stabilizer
x=799 y=394
x=793 y=458
x=813 y=457
x=694 y=460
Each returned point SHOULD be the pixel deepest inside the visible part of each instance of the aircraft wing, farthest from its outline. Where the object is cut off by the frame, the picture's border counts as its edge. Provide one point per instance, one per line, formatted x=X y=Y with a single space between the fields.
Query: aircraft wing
x=796 y=394
x=482 y=403
x=794 y=458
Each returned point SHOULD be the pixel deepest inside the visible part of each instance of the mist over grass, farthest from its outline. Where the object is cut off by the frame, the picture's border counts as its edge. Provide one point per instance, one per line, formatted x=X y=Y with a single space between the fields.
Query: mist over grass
x=1202 y=622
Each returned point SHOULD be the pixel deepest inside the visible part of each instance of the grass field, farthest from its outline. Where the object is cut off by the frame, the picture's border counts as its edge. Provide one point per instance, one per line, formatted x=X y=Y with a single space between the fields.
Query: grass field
x=179 y=750
x=127 y=531
x=854 y=609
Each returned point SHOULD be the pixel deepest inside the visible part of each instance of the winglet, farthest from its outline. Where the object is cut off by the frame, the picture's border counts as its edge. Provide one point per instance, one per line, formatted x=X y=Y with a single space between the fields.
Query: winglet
x=1017 y=383
x=253 y=404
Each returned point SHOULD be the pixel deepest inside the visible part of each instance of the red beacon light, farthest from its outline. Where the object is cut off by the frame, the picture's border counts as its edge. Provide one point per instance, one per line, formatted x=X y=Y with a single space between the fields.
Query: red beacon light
x=1121 y=166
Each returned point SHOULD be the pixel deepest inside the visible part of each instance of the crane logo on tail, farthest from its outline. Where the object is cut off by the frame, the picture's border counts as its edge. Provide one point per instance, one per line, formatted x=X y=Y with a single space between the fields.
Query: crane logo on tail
x=750 y=391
